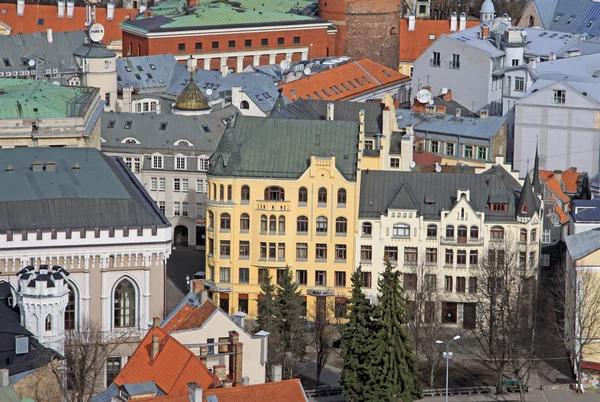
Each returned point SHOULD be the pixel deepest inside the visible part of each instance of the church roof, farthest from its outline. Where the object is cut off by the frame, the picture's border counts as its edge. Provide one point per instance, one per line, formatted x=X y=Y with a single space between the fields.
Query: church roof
x=191 y=98
x=528 y=202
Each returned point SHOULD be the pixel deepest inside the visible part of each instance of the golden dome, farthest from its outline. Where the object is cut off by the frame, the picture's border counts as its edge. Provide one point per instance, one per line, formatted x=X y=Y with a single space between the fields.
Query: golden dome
x=191 y=98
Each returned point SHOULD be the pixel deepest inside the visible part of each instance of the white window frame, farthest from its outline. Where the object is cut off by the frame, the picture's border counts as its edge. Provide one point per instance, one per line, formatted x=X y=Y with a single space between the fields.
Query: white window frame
x=545 y=261
x=176 y=184
x=162 y=183
x=184 y=209
x=158 y=161
x=185 y=186
x=546 y=236
x=559 y=96
x=176 y=208
x=519 y=84
x=203 y=163
x=154 y=183
x=162 y=206
x=201 y=186
x=180 y=162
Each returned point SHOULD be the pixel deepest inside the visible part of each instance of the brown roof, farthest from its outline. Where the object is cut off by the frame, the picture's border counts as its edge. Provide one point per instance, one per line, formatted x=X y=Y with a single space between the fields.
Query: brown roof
x=414 y=43
x=28 y=22
x=343 y=82
x=189 y=316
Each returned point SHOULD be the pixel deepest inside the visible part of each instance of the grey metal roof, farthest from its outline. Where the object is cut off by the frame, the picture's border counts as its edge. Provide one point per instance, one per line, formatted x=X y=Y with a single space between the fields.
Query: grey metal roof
x=470 y=37
x=545 y=9
x=141 y=388
x=101 y=193
x=94 y=51
x=482 y=128
x=574 y=16
x=18 y=49
x=264 y=97
x=278 y=148
x=161 y=68
x=582 y=244
x=384 y=190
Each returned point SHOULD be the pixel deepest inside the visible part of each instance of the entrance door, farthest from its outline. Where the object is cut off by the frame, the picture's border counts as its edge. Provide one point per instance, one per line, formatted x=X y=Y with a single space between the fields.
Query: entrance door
x=201 y=236
x=469 y=315
x=181 y=235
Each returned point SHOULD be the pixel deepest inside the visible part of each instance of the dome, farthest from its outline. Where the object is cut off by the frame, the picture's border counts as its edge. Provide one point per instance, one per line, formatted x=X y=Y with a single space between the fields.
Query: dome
x=191 y=98
x=488 y=7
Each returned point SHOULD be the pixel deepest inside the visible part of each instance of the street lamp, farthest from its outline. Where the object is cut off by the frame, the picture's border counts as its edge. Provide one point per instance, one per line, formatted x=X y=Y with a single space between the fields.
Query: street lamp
x=447 y=355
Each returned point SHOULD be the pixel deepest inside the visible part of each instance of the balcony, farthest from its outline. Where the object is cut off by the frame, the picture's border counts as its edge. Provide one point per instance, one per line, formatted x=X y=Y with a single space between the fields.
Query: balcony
x=454 y=65
x=471 y=241
x=434 y=62
x=273 y=206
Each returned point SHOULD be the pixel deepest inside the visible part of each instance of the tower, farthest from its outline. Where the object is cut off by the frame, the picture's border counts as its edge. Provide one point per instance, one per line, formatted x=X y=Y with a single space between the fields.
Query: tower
x=42 y=297
x=487 y=12
x=191 y=101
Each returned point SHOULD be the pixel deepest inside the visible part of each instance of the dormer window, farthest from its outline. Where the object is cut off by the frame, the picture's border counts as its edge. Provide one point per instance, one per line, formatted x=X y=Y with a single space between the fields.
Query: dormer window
x=128 y=124
x=499 y=207
x=524 y=209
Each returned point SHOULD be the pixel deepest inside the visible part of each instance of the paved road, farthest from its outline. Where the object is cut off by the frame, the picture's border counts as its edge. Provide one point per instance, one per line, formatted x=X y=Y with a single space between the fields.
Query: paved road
x=558 y=395
x=183 y=262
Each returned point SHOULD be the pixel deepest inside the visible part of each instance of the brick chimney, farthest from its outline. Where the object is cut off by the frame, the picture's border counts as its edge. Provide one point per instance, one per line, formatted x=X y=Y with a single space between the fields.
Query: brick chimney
x=447 y=96
x=236 y=358
x=156 y=322
x=155 y=346
x=219 y=371
x=203 y=354
x=485 y=32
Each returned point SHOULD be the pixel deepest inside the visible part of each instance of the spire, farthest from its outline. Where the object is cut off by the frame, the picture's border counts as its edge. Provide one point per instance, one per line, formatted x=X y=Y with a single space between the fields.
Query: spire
x=537 y=185
x=528 y=202
x=191 y=98
x=279 y=103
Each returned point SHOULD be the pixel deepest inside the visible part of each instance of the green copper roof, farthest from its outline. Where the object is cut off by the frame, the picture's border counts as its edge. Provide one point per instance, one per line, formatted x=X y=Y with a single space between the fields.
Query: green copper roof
x=28 y=99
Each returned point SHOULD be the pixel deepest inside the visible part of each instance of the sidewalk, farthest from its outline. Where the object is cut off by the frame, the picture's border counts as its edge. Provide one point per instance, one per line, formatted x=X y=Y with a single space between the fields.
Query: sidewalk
x=557 y=395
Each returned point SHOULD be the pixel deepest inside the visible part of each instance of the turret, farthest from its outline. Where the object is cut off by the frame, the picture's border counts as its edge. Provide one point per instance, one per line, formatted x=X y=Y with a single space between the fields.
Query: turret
x=487 y=12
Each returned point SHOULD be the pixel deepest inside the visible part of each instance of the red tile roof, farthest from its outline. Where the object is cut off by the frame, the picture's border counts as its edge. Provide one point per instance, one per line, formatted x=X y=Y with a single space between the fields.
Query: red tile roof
x=569 y=179
x=372 y=76
x=171 y=369
x=414 y=43
x=189 y=317
x=28 y=22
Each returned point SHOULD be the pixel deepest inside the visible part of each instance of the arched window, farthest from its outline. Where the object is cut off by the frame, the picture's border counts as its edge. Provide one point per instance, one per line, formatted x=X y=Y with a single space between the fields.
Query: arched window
x=244 y=222
x=221 y=192
x=225 y=222
x=214 y=193
x=321 y=224
x=449 y=231
x=322 y=197
x=533 y=235
x=211 y=219
x=394 y=31
x=531 y=21
x=367 y=229
x=474 y=232
x=497 y=233
x=272 y=223
x=281 y=229
x=401 y=230
x=245 y=193
x=431 y=231
x=48 y=322
x=274 y=193
x=263 y=223
x=244 y=105
x=229 y=192
x=462 y=234
x=341 y=199
x=70 y=310
x=341 y=225
x=523 y=235
x=124 y=305
x=302 y=224
x=302 y=195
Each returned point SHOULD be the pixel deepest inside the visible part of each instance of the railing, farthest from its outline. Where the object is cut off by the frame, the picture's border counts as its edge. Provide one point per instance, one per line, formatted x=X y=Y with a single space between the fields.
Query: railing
x=454 y=65
x=323 y=391
x=434 y=63
x=459 y=391
x=462 y=240
x=275 y=206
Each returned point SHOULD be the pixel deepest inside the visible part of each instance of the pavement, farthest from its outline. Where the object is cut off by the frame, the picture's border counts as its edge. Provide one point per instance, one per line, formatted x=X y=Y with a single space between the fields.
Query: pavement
x=555 y=395
x=184 y=261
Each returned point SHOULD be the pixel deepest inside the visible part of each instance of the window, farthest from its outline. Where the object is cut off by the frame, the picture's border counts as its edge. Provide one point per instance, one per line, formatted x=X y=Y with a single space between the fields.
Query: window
x=274 y=193
x=473 y=285
x=248 y=43
x=225 y=249
x=449 y=257
x=244 y=222
x=180 y=162
x=474 y=232
x=281 y=251
x=107 y=98
x=533 y=235
x=497 y=233
x=211 y=219
x=221 y=192
x=431 y=255
x=340 y=278
x=522 y=259
x=449 y=312
x=111 y=124
x=280 y=41
x=430 y=282
x=176 y=184
x=448 y=287
x=48 y=323
x=320 y=278
x=391 y=252
x=243 y=303
x=113 y=367
x=410 y=282
x=181 y=47
x=177 y=208
x=229 y=192
x=341 y=226
x=301 y=251
x=263 y=223
x=401 y=230
x=199 y=210
x=340 y=252
x=341 y=198
x=546 y=236
x=185 y=185
x=366 y=253
x=455 y=63
x=366 y=280
x=369 y=144
x=322 y=196
x=461 y=257
x=450 y=148
x=468 y=151
x=461 y=284
x=473 y=257
x=201 y=186
x=215 y=45
x=245 y=193
x=395 y=163
x=367 y=229
x=203 y=163
x=124 y=305
x=272 y=250
x=302 y=224
x=519 y=84
x=225 y=222
x=272 y=224
x=263 y=250
x=462 y=234
x=431 y=231
x=559 y=96
x=545 y=260
x=301 y=277
x=321 y=225
x=157 y=162
x=184 y=209
x=449 y=231
x=411 y=255
x=154 y=183
x=264 y=42
x=435 y=61
x=523 y=235
x=321 y=251
x=231 y=44
x=531 y=259
x=482 y=153
x=302 y=195
x=499 y=207
x=70 y=312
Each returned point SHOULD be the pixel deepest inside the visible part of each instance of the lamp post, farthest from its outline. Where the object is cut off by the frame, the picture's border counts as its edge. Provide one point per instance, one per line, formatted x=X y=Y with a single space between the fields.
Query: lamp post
x=447 y=355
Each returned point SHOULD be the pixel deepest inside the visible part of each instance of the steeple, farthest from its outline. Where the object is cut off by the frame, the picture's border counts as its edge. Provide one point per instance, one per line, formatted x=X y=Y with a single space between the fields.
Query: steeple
x=528 y=203
x=537 y=185
x=279 y=103
x=191 y=101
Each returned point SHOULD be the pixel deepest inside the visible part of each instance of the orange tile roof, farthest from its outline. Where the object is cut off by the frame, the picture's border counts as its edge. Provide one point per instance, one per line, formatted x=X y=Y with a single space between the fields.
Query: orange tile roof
x=414 y=43
x=569 y=178
x=28 y=22
x=189 y=317
x=561 y=214
x=172 y=368
x=372 y=75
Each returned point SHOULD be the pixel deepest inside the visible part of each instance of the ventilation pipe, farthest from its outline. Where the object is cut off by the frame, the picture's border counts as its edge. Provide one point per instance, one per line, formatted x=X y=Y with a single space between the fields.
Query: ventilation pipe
x=61 y=9
x=453 y=22
x=411 y=22
x=20 y=7
x=330 y=109
x=463 y=22
x=49 y=35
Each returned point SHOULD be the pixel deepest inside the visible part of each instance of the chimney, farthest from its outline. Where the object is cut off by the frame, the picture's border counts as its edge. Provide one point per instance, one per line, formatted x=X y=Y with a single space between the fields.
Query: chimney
x=239 y=318
x=195 y=392
x=378 y=141
x=447 y=96
x=552 y=56
x=558 y=176
x=533 y=63
x=61 y=8
x=20 y=7
x=276 y=373
x=203 y=354
x=219 y=371
x=463 y=22
x=49 y=35
x=245 y=381
x=155 y=322
x=37 y=166
x=50 y=166
x=4 y=378
x=155 y=346
x=192 y=3
x=127 y=92
x=110 y=11
x=483 y=114
x=411 y=22
x=227 y=384
x=457 y=112
x=485 y=32
x=330 y=107
x=143 y=7
x=453 y=22
x=70 y=8
x=76 y=166
x=236 y=358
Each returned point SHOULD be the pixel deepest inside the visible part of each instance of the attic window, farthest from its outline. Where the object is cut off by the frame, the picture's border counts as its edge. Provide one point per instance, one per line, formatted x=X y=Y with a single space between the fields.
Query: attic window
x=206 y=129
x=128 y=124
x=499 y=207
x=570 y=19
x=149 y=76
x=557 y=18
x=386 y=73
x=139 y=77
x=40 y=21
x=111 y=124
x=140 y=68
x=152 y=67
x=431 y=36
x=6 y=62
x=128 y=69
x=163 y=126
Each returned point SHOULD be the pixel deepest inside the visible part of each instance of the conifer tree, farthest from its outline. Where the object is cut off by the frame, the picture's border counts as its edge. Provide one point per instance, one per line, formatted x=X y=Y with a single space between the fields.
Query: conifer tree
x=356 y=338
x=393 y=371
x=269 y=319
x=293 y=324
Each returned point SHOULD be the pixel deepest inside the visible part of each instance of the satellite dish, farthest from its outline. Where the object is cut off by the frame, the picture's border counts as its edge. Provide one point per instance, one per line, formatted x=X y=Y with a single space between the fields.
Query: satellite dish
x=307 y=71
x=96 y=32
x=412 y=164
x=423 y=96
x=55 y=83
x=438 y=168
x=31 y=63
x=444 y=91
x=431 y=101
x=285 y=65
x=209 y=92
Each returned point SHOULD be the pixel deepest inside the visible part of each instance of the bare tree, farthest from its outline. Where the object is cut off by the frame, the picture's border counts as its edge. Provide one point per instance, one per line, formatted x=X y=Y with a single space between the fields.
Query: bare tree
x=86 y=350
x=322 y=342
x=506 y=315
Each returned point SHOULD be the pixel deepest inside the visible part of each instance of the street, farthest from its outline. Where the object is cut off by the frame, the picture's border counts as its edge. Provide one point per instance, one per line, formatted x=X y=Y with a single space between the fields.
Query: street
x=184 y=261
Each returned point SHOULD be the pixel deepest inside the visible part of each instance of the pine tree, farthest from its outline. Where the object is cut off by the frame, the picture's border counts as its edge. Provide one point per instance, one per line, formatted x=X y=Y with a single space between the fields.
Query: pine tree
x=393 y=371
x=293 y=331
x=356 y=337
x=269 y=319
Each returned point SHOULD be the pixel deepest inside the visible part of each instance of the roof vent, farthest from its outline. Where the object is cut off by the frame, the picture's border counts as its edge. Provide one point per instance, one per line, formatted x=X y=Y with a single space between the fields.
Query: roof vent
x=9 y=168
x=76 y=166
x=37 y=166
x=50 y=166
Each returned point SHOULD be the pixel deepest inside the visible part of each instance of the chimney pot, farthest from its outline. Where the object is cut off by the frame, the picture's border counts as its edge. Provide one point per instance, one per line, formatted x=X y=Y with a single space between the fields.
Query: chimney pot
x=50 y=166
x=155 y=346
x=462 y=22
x=330 y=109
x=37 y=166
x=49 y=35
x=245 y=381
x=276 y=373
x=155 y=322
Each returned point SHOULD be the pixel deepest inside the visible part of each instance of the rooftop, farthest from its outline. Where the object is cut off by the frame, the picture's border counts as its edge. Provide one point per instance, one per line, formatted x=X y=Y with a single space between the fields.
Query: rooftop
x=148 y=73
x=192 y=313
x=83 y=188
x=582 y=244
x=579 y=16
x=30 y=99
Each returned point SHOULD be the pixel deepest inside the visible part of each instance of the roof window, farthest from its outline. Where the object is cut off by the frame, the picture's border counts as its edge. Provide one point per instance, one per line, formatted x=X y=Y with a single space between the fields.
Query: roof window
x=431 y=36
x=128 y=69
x=543 y=34
x=118 y=78
x=325 y=92
x=554 y=35
x=111 y=124
x=557 y=18
x=565 y=36
x=140 y=68
x=6 y=62
x=317 y=95
x=359 y=82
x=152 y=67
x=386 y=73
x=338 y=88
x=139 y=77
x=128 y=124
x=570 y=19
x=163 y=126
x=367 y=80
x=345 y=87
x=352 y=84
x=206 y=129
x=149 y=76
x=590 y=23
